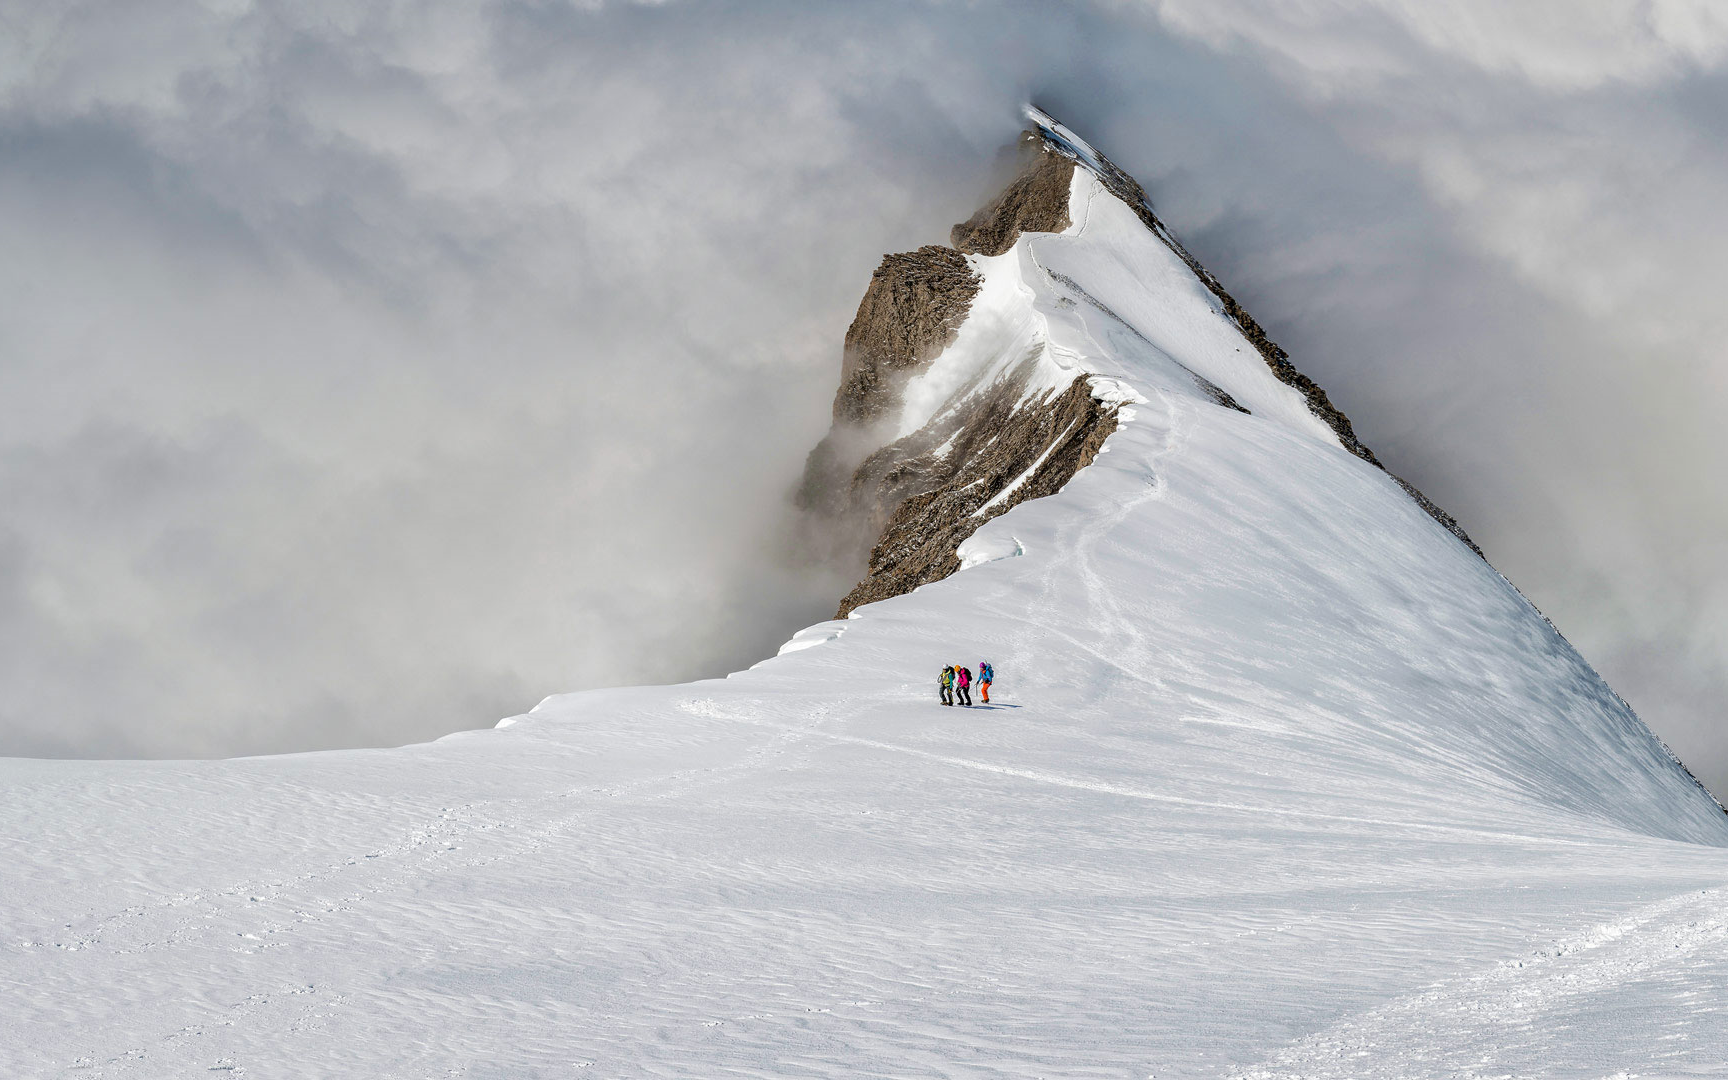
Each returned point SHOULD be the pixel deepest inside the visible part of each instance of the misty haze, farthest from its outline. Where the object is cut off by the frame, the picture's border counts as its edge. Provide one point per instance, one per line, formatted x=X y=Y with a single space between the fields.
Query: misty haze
x=370 y=377
x=1175 y=539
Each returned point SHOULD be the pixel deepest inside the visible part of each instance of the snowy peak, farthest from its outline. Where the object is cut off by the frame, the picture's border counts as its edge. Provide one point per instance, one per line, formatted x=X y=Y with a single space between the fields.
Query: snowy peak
x=1062 y=141
x=1267 y=747
x=957 y=396
x=1068 y=323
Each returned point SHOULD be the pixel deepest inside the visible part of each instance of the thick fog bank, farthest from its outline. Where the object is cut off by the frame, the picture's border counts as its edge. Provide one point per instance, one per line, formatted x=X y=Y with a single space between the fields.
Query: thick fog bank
x=367 y=372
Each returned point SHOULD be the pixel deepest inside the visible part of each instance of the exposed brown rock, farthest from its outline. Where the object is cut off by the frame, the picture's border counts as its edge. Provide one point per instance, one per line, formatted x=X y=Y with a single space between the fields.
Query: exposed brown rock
x=1034 y=201
x=911 y=310
x=938 y=499
x=923 y=495
x=915 y=303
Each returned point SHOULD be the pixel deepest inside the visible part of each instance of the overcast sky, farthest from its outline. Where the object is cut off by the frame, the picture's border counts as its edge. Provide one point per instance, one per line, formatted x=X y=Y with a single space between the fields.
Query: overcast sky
x=369 y=371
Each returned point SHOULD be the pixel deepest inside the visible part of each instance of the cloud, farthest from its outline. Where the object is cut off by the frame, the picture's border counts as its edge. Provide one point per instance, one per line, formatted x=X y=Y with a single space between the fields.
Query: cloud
x=1346 y=48
x=1563 y=393
x=374 y=370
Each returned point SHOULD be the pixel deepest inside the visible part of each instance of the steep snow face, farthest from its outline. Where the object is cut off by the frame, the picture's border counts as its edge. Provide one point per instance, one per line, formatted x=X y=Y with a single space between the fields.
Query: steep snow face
x=1005 y=333
x=1103 y=297
x=1113 y=262
x=979 y=418
x=1108 y=300
x=1279 y=780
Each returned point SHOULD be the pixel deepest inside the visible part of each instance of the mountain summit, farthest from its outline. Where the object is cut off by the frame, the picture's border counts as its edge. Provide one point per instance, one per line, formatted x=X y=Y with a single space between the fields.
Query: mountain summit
x=1280 y=780
x=972 y=381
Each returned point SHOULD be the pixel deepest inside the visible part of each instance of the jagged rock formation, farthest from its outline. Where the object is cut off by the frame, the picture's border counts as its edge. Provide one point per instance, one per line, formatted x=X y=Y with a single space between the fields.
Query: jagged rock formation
x=911 y=311
x=1000 y=452
x=914 y=305
x=918 y=486
x=1034 y=201
x=987 y=450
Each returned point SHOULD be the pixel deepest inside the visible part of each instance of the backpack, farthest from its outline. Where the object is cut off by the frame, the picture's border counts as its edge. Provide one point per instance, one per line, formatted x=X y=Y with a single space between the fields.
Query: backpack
x=985 y=674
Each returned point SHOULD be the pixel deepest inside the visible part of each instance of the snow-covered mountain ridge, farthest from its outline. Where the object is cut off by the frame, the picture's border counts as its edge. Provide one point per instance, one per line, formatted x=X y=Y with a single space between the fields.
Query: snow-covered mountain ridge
x=957 y=400
x=1283 y=781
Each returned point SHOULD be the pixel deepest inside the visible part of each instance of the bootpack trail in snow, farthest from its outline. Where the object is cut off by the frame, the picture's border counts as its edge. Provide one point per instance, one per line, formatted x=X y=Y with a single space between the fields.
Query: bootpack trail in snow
x=1286 y=782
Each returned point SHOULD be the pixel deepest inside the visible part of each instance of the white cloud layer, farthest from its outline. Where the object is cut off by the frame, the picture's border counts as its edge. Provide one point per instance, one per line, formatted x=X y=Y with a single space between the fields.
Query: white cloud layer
x=1348 y=47
x=369 y=370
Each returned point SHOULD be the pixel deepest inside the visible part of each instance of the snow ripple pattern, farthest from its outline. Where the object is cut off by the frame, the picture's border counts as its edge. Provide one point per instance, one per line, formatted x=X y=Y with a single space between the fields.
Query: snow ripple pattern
x=1278 y=780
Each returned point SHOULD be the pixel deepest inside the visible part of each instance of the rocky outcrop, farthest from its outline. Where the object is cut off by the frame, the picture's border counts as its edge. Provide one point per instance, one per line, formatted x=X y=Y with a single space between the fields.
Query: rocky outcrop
x=914 y=305
x=911 y=310
x=997 y=453
x=991 y=448
x=1036 y=200
x=913 y=501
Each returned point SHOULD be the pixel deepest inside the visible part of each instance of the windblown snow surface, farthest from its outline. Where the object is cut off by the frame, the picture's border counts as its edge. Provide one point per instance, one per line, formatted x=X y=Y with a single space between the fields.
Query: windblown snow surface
x=1283 y=782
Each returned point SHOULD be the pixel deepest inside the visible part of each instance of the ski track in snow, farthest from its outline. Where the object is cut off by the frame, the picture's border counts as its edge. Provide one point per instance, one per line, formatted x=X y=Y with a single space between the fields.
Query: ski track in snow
x=1503 y=1021
x=1079 y=537
x=707 y=708
x=1281 y=782
x=1078 y=540
x=1412 y=1036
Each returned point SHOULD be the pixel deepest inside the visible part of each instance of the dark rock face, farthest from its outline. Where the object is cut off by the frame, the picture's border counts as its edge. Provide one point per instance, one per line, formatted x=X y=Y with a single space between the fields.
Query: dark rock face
x=1034 y=201
x=999 y=453
x=990 y=448
x=922 y=495
x=914 y=305
x=911 y=310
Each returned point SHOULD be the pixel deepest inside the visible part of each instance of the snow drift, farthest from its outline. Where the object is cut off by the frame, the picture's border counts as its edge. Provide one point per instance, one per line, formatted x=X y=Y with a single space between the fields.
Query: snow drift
x=1284 y=779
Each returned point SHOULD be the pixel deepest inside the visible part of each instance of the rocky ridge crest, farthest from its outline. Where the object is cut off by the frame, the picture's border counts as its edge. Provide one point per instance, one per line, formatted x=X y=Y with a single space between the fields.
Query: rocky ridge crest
x=1127 y=189
x=916 y=498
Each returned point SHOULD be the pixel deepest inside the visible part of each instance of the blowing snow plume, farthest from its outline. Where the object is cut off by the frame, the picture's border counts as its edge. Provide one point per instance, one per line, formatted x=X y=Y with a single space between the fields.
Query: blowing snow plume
x=1279 y=780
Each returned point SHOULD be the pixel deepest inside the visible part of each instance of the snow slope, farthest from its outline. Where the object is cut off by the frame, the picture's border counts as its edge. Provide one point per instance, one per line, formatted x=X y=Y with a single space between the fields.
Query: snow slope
x=1284 y=781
